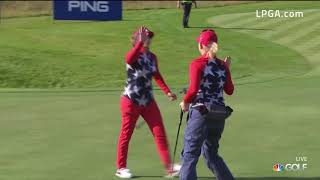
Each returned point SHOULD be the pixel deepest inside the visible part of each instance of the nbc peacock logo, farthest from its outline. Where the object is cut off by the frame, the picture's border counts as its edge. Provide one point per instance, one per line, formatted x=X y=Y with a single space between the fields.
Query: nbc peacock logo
x=278 y=167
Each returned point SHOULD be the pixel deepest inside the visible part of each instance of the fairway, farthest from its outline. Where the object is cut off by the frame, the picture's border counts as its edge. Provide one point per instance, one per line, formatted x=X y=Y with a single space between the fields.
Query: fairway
x=61 y=84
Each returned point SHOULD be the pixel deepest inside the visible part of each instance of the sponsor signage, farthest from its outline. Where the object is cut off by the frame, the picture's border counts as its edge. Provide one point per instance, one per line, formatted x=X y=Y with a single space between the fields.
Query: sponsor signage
x=87 y=10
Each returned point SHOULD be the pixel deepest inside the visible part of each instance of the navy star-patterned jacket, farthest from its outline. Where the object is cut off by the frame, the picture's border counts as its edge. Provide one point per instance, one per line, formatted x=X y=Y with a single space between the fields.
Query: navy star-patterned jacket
x=141 y=67
x=208 y=80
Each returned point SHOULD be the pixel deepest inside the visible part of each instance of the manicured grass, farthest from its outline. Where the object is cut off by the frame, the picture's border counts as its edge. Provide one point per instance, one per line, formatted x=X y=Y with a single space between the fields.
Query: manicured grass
x=74 y=135
x=65 y=134
x=41 y=53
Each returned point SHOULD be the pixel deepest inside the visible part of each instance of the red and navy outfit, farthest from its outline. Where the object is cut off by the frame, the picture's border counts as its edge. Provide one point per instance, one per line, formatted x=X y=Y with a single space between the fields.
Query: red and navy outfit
x=138 y=100
x=141 y=67
x=209 y=79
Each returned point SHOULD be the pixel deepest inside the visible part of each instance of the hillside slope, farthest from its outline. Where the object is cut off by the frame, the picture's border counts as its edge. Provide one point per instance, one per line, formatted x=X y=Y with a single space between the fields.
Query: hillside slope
x=38 y=52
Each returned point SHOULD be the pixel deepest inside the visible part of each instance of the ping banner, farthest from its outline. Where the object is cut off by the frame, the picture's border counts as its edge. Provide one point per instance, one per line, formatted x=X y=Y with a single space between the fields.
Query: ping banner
x=87 y=10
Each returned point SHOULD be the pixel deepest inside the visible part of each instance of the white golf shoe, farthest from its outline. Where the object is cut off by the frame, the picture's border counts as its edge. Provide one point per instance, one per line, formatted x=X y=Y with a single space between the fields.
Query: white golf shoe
x=174 y=171
x=124 y=173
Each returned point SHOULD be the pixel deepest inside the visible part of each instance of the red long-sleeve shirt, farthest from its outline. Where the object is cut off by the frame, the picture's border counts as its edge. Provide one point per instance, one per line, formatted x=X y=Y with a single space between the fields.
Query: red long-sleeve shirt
x=134 y=54
x=196 y=72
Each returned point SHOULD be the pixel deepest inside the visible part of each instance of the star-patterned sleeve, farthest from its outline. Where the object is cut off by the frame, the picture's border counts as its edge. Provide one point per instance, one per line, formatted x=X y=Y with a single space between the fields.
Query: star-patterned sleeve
x=133 y=55
x=195 y=73
x=228 y=86
x=158 y=77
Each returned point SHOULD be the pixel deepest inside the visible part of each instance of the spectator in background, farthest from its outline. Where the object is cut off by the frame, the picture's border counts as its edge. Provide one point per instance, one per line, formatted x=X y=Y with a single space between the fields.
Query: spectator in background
x=187 y=5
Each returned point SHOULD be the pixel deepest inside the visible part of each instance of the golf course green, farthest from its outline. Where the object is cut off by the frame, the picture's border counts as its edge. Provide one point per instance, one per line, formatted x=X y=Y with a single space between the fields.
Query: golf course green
x=60 y=86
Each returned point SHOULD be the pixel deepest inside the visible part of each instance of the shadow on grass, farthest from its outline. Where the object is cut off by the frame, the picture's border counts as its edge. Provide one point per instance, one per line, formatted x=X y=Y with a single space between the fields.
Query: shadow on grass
x=240 y=178
x=235 y=28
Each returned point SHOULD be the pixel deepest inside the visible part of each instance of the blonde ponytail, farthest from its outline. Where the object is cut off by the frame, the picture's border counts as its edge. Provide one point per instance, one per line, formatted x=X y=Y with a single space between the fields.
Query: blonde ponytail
x=213 y=49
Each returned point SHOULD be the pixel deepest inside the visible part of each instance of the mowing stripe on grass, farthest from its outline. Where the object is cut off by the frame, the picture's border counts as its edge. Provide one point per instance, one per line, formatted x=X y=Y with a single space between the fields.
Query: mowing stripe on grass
x=307 y=37
x=286 y=32
x=293 y=24
x=242 y=23
x=227 y=19
x=292 y=35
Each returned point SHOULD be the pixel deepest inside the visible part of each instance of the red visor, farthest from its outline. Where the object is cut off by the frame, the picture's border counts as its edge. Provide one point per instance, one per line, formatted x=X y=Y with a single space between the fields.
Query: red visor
x=207 y=36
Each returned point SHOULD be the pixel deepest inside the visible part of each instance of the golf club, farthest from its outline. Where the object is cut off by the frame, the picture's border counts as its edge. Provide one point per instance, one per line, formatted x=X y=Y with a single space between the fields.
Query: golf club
x=177 y=138
x=141 y=123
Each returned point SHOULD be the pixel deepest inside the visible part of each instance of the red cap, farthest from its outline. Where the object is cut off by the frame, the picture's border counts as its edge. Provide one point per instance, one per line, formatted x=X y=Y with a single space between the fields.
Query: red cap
x=207 y=36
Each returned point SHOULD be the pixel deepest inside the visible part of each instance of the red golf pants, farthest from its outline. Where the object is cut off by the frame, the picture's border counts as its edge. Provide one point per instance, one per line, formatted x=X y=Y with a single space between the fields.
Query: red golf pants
x=151 y=114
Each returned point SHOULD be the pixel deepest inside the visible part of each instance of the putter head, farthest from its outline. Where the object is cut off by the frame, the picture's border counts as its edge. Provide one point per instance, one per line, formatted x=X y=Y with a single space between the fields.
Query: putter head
x=229 y=109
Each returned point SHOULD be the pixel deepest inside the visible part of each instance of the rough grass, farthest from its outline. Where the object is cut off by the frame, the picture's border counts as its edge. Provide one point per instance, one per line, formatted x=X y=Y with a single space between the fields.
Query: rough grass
x=36 y=8
x=40 y=53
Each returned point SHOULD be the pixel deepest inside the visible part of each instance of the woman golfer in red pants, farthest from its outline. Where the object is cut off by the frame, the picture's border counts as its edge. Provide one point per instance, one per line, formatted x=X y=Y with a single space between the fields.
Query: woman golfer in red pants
x=138 y=100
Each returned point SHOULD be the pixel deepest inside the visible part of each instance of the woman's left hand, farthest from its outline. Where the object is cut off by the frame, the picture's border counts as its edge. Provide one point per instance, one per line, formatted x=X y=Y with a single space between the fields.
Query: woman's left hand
x=184 y=106
x=172 y=96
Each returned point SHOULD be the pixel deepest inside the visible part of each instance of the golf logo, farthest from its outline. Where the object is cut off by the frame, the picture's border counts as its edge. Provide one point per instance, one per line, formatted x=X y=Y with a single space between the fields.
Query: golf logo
x=300 y=165
x=278 y=167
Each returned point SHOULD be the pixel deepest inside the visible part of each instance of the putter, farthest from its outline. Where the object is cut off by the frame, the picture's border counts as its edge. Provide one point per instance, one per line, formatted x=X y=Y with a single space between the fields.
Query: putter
x=183 y=91
x=177 y=138
x=141 y=123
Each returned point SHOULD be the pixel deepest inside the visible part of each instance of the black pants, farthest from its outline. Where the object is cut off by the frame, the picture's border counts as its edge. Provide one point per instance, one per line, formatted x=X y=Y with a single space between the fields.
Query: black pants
x=186 y=13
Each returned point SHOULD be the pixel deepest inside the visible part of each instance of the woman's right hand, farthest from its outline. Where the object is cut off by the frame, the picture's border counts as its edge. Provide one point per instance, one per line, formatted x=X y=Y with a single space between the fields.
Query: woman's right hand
x=172 y=96
x=184 y=106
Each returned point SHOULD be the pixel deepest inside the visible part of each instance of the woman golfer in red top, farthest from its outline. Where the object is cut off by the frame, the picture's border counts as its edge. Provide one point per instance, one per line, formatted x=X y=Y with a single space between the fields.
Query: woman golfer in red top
x=210 y=78
x=138 y=100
